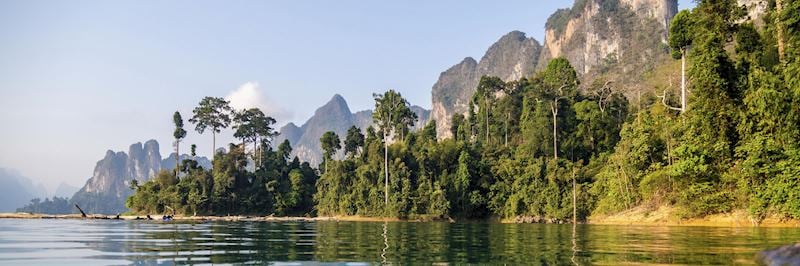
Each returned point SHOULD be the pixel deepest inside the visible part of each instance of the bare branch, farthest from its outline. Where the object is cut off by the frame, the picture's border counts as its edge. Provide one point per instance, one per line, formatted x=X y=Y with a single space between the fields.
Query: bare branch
x=663 y=97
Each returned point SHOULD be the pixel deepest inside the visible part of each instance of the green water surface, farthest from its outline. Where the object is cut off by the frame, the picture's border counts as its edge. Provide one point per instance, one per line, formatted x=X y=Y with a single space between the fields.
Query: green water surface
x=86 y=242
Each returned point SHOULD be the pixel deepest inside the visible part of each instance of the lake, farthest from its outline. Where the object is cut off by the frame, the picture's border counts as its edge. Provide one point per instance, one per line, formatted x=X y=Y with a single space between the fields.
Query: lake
x=87 y=242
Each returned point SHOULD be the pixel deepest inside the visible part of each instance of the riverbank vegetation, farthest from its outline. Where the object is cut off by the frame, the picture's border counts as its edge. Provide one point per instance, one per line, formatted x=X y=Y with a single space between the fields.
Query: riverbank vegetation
x=727 y=140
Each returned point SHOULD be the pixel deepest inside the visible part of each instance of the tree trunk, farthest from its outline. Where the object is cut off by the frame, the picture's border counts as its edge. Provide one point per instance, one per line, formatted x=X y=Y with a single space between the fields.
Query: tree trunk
x=213 y=144
x=683 y=81
x=386 y=167
x=554 y=110
x=486 y=106
x=574 y=199
x=177 y=156
x=508 y=117
x=779 y=25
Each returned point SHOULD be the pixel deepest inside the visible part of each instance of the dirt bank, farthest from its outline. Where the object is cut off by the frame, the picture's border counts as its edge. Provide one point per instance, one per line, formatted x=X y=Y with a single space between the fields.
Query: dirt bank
x=667 y=216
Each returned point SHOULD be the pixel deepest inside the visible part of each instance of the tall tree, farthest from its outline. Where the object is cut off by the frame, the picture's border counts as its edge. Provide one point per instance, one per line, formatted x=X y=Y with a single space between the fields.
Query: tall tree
x=392 y=115
x=680 y=38
x=243 y=125
x=252 y=125
x=330 y=144
x=456 y=126
x=179 y=134
x=353 y=141
x=212 y=113
x=487 y=88
x=559 y=82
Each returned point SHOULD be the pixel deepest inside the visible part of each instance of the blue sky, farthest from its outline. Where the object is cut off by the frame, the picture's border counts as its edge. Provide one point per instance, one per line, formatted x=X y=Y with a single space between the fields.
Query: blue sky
x=80 y=77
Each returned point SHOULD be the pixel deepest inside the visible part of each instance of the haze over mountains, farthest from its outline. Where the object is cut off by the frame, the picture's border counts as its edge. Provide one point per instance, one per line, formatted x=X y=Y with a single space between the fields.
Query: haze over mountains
x=16 y=190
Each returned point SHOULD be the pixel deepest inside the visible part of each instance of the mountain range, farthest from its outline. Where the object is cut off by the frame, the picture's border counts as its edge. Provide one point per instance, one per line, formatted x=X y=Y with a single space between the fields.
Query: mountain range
x=616 y=40
x=109 y=186
x=334 y=116
x=17 y=190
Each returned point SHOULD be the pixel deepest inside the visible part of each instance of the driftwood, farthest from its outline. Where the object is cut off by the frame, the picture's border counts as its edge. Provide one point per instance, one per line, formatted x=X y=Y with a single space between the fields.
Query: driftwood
x=83 y=214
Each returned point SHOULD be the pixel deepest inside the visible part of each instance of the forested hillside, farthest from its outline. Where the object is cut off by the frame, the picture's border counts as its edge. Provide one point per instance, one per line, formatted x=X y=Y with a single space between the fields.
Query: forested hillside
x=725 y=139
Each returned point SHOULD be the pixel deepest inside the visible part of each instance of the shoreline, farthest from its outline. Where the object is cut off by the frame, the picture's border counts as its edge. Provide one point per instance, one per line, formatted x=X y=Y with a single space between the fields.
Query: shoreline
x=667 y=216
x=663 y=216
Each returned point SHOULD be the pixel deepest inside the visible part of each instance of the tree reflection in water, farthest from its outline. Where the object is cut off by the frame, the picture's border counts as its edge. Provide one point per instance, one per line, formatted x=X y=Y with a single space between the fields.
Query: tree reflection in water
x=84 y=242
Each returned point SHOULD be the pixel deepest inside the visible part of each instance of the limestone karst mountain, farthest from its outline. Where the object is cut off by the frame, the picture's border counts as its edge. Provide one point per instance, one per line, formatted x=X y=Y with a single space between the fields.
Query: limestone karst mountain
x=510 y=58
x=334 y=116
x=109 y=186
x=618 y=39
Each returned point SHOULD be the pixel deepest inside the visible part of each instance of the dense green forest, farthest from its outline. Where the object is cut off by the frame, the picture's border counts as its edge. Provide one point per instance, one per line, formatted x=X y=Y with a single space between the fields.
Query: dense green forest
x=727 y=140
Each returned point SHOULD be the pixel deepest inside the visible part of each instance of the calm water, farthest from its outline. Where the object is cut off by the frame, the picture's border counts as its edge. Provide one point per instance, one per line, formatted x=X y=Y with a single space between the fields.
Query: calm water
x=138 y=242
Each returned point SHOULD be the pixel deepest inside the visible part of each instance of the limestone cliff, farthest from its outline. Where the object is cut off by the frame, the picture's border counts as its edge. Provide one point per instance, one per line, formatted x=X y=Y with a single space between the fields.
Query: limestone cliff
x=109 y=186
x=619 y=39
x=512 y=57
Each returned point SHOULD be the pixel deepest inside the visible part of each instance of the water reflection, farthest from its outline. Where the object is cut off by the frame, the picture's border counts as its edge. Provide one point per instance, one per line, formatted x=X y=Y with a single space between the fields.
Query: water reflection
x=142 y=242
x=385 y=242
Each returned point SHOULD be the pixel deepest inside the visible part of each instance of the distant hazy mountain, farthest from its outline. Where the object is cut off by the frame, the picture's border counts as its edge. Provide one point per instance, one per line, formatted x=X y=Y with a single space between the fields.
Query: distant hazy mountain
x=65 y=190
x=17 y=190
x=109 y=186
x=334 y=116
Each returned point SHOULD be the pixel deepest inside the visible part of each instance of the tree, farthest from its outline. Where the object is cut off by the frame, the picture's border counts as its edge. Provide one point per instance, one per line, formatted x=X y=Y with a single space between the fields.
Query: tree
x=680 y=38
x=330 y=144
x=179 y=134
x=392 y=115
x=559 y=82
x=487 y=88
x=353 y=141
x=253 y=125
x=212 y=113
x=456 y=126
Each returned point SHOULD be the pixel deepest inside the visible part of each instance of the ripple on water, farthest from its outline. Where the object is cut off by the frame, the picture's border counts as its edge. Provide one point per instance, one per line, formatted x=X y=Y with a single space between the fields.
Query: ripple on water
x=87 y=242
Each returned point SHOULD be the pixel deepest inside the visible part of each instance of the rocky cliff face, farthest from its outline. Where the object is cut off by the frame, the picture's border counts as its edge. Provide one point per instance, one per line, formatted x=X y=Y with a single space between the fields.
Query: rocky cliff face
x=621 y=36
x=620 y=39
x=334 y=116
x=755 y=10
x=512 y=57
x=108 y=188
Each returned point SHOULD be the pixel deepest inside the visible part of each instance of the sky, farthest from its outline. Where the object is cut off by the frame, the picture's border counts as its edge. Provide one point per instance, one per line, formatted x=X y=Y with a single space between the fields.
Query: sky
x=78 y=78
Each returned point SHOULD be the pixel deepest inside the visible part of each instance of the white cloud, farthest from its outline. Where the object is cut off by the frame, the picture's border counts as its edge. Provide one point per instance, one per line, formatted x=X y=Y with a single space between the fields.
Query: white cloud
x=250 y=95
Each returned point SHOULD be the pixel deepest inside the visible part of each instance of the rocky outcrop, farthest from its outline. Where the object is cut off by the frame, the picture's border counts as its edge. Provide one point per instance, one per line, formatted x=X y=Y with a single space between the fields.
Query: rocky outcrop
x=334 y=116
x=755 y=10
x=512 y=57
x=621 y=39
x=598 y=37
x=109 y=186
